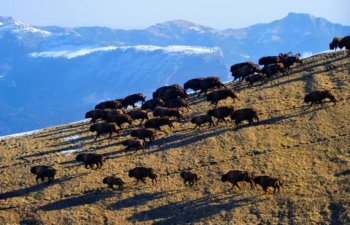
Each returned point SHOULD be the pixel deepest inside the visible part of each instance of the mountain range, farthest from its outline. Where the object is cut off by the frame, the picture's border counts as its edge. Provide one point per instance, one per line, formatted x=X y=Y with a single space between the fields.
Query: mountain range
x=52 y=75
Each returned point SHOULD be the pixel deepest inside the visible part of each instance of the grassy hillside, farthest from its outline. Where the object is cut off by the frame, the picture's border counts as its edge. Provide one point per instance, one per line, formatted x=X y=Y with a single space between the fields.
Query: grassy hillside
x=307 y=148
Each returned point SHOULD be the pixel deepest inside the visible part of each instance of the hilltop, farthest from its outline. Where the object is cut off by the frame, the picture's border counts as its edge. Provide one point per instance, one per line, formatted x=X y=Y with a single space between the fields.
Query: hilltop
x=307 y=148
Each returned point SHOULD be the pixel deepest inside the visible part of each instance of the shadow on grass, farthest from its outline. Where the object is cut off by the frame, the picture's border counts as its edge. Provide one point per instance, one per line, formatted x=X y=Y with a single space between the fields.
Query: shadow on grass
x=191 y=211
x=84 y=199
x=36 y=187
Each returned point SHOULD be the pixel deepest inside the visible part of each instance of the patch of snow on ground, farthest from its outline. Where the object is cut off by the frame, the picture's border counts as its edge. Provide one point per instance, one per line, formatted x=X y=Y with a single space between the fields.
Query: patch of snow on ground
x=70 y=151
x=71 y=138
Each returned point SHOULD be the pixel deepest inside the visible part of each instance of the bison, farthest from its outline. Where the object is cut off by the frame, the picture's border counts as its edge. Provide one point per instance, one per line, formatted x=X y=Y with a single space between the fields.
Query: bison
x=267 y=181
x=90 y=159
x=159 y=93
x=267 y=60
x=248 y=114
x=272 y=69
x=117 y=104
x=235 y=176
x=156 y=123
x=140 y=173
x=111 y=180
x=103 y=128
x=345 y=42
x=189 y=177
x=134 y=143
x=132 y=99
x=44 y=171
x=202 y=119
x=335 y=43
x=152 y=104
x=138 y=114
x=215 y=96
x=221 y=113
x=193 y=84
x=208 y=83
x=242 y=70
x=177 y=103
x=120 y=120
x=94 y=115
x=317 y=97
x=255 y=78
x=167 y=112
x=144 y=133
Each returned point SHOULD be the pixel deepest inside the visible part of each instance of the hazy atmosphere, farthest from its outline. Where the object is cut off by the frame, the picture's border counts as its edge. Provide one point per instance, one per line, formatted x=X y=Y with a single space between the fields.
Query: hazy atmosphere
x=220 y=14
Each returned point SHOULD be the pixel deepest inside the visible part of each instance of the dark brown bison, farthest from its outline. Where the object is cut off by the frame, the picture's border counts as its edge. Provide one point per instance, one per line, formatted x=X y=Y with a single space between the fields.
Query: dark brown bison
x=104 y=128
x=167 y=112
x=138 y=114
x=189 y=177
x=132 y=99
x=242 y=70
x=335 y=43
x=174 y=93
x=43 y=171
x=255 y=78
x=106 y=114
x=215 y=96
x=209 y=83
x=144 y=133
x=248 y=114
x=345 y=42
x=90 y=159
x=110 y=181
x=134 y=143
x=159 y=93
x=156 y=123
x=267 y=181
x=235 y=176
x=177 y=103
x=120 y=120
x=272 y=69
x=117 y=104
x=267 y=60
x=202 y=119
x=221 y=113
x=317 y=97
x=193 y=84
x=290 y=60
x=140 y=174
x=152 y=104
x=94 y=115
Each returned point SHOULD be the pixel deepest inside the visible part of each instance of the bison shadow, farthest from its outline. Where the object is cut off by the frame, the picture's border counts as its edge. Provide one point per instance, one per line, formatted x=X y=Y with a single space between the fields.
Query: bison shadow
x=36 y=187
x=138 y=199
x=85 y=199
x=343 y=173
x=191 y=211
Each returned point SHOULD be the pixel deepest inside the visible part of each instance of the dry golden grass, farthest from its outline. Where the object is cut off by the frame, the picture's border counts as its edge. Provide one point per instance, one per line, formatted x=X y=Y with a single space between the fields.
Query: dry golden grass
x=307 y=148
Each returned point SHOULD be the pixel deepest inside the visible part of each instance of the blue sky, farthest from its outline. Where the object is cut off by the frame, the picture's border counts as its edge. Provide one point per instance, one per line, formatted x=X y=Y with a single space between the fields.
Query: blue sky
x=128 y=14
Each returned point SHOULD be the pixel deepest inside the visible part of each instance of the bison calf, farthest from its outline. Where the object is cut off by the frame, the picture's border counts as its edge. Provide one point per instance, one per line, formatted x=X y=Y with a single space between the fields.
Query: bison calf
x=156 y=123
x=267 y=181
x=110 y=181
x=189 y=177
x=235 y=176
x=317 y=97
x=140 y=173
x=215 y=96
x=44 y=171
x=90 y=159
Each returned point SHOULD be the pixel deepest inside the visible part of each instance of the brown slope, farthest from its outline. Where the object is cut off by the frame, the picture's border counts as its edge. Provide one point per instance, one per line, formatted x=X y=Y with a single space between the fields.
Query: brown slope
x=308 y=148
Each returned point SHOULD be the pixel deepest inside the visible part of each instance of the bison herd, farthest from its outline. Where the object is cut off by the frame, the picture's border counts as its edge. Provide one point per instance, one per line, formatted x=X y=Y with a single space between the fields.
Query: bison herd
x=109 y=117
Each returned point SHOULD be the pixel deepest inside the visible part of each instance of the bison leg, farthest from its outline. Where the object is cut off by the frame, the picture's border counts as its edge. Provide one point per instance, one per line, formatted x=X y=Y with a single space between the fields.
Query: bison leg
x=143 y=180
x=86 y=165
x=37 y=179
x=141 y=121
